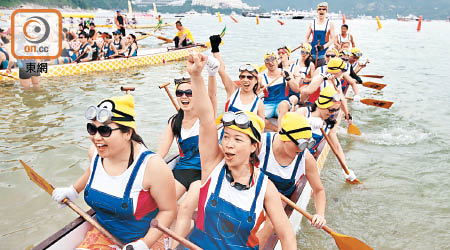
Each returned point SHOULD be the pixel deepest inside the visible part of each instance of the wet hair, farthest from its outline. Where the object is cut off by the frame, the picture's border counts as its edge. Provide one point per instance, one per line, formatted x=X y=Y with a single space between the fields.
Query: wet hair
x=64 y=30
x=329 y=121
x=344 y=25
x=178 y=22
x=254 y=159
x=134 y=136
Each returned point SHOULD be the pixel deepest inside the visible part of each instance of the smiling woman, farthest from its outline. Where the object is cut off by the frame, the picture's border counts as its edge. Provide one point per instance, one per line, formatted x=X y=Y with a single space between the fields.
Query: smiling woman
x=126 y=184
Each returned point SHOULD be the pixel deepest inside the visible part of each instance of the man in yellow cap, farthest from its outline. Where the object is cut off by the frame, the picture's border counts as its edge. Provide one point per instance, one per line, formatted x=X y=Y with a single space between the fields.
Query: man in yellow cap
x=183 y=37
x=320 y=34
x=285 y=159
x=276 y=84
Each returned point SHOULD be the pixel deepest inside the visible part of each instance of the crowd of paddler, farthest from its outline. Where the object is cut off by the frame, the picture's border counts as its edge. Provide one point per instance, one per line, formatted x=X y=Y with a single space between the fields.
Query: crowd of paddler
x=229 y=169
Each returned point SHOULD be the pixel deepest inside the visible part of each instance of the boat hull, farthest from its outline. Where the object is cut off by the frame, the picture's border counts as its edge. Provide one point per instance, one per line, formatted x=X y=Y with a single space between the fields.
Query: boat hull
x=161 y=56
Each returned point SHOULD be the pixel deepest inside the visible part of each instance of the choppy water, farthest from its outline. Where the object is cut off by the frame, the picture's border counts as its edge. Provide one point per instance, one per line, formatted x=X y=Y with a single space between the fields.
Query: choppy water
x=403 y=156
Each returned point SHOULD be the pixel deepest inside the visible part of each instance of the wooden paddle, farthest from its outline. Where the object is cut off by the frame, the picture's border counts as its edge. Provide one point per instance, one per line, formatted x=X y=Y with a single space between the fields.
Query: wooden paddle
x=182 y=240
x=353 y=129
x=344 y=167
x=375 y=102
x=41 y=182
x=344 y=242
x=372 y=76
x=127 y=89
x=374 y=85
x=270 y=83
x=169 y=94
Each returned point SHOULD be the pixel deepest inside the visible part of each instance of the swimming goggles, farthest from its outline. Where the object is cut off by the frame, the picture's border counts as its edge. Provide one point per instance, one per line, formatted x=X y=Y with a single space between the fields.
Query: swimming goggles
x=248 y=67
x=105 y=113
x=301 y=143
x=334 y=98
x=241 y=120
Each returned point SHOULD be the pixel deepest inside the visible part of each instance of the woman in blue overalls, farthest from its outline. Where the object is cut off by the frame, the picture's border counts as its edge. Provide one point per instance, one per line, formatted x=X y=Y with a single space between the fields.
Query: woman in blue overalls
x=126 y=184
x=235 y=195
x=322 y=32
x=285 y=160
x=184 y=128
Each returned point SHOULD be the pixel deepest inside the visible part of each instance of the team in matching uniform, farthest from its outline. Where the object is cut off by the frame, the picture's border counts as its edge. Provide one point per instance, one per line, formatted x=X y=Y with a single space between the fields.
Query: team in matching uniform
x=233 y=177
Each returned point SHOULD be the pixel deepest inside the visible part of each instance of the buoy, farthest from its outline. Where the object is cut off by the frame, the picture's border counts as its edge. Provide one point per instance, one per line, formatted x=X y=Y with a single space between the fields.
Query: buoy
x=280 y=22
x=343 y=18
x=379 y=24
x=257 y=19
x=220 y=18
x=234 y=19
x=419 y=25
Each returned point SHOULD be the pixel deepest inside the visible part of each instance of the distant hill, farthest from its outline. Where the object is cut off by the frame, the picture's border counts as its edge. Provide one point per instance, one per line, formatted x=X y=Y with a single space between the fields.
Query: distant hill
x=431 y=9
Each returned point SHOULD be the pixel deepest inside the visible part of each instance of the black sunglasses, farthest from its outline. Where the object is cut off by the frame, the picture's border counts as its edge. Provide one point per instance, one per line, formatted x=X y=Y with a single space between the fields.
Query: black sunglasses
x=242 y=77
x=103 y=130
x=333 y=110
x=321 y=9
x=333 y=56
x=81 y=37
x=187 y=92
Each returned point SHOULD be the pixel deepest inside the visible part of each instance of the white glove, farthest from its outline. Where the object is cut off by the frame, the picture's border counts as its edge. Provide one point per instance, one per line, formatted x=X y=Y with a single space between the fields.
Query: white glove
x=326 y=75
x=66 y=192
x=137 y=245
x=212 y=65
x=356 y=98
x=351 y=175
x=316 y=123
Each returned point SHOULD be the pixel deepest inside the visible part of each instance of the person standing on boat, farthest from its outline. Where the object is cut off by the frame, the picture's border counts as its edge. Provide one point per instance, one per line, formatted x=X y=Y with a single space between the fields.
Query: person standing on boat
x=243 y=98
x=285 y=159
x=235 y=195
x=126 y=184
x=276 y=99
x=321 y=34
x=344 y=37
x=120 y=45
x=322 y=114
x=119 y=21
x=132 y=45
x=184 y=128
x=183 y=37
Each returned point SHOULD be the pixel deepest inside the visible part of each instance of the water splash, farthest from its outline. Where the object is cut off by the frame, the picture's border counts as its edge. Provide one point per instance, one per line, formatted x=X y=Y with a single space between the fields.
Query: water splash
x=397 y=136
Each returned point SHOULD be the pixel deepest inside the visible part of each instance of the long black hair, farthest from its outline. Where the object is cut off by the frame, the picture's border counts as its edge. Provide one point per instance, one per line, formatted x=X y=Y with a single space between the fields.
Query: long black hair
x=176 y=121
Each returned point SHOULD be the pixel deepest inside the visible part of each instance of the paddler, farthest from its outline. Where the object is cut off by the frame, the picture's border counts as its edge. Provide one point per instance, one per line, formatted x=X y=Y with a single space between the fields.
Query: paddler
x=93 y=31
x=132 y=46
x=321 y=34
x=70 y=36
x=285 y=159
x=289 y=67
x=243 y=97
x=354 y=60
x=184 y=128
x=95 y=48
x=108 y=49
x=276 y=99
x=120 y=44
x=350 y=77
x=183 y=37
x=119 y=21
x=126 y=184
x=344 y=37
x=235 y=195
x=84 y=53
x=331 y=77
x=322 y=114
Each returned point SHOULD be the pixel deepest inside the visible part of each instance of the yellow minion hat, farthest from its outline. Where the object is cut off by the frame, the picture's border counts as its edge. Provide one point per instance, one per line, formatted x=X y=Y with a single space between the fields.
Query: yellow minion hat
x=335 y=65
x=256 y=121
x=322 y=4
x=355 y=50
x=296 y=126
x=269 y=54
x=306 y=47
x=288 y=50
x=122 y=108
x=335 y=51
x=327 y=97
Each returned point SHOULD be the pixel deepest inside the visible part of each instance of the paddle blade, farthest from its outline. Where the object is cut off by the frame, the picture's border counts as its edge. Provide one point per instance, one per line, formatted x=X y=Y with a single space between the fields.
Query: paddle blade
x=345 y=242
x=353 y=129
x=355 y=181
x=374 y=85
x=36 y=178
x=377 y=103
x=262 y=68
x=373 y=76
